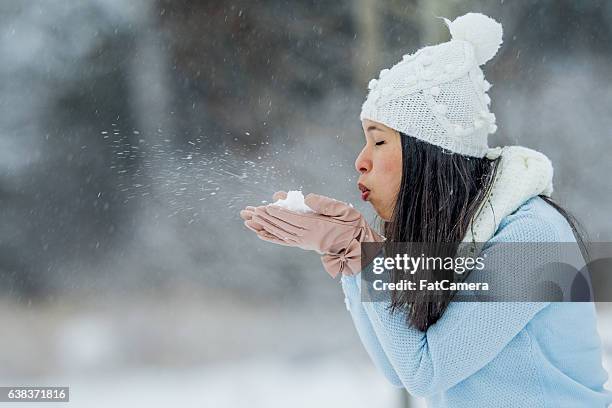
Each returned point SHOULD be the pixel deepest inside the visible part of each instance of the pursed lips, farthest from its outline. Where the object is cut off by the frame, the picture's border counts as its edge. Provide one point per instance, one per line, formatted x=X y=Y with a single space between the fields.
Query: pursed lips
x=365 y=192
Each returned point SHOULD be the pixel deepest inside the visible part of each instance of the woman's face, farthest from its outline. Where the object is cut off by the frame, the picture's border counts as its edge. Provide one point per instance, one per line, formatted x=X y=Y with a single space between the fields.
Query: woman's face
x=380 y=167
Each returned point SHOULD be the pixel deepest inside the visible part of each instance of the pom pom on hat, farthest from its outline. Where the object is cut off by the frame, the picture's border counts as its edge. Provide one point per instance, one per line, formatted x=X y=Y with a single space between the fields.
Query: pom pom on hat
x=483 y=32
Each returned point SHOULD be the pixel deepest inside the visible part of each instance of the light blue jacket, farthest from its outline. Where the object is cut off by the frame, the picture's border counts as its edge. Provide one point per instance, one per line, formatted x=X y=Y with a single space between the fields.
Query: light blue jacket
x=505 y=354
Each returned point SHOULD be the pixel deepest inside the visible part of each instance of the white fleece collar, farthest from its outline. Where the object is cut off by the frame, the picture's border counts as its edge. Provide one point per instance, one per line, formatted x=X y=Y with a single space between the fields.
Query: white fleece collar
x=522 y=173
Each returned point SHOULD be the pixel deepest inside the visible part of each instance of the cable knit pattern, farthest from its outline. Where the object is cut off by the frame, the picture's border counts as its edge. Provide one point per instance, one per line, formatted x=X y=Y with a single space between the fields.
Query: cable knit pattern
x=439 y=93
x=522 y=173
x=511 y=354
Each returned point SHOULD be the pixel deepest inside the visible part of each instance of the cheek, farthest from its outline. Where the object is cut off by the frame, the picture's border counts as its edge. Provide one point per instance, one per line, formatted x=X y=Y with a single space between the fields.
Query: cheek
x=391 y=166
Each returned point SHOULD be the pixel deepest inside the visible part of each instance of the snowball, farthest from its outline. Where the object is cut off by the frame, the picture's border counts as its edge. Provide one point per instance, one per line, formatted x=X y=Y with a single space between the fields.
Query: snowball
x=294 y=202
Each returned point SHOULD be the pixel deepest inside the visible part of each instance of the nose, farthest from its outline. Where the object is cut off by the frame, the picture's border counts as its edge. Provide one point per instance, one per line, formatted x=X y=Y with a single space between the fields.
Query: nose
x=363 y=163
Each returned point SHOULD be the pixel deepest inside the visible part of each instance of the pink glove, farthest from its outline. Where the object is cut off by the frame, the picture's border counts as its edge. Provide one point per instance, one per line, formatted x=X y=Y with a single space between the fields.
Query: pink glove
x=247 y=216
x=334 y=230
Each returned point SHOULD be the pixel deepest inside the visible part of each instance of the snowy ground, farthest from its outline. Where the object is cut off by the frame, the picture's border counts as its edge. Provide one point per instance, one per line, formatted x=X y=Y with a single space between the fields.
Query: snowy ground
x=261 y=382
x=605 y=331
x=175 y=352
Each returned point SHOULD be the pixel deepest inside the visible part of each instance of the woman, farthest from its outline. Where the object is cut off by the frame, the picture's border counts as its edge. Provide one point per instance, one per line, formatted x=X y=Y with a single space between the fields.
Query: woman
x=428 y=172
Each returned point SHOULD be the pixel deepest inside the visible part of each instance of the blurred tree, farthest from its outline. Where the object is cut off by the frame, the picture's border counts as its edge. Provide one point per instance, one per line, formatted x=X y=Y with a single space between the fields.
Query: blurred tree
x=368 y=48
x=242 y=65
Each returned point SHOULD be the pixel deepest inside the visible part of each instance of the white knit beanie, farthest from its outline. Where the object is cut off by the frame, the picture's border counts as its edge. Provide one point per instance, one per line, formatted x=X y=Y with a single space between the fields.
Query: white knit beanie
x=438 y=94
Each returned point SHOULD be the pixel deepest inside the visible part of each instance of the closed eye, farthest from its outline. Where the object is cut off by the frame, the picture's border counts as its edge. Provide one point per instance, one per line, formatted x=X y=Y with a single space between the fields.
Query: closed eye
x=380 y=143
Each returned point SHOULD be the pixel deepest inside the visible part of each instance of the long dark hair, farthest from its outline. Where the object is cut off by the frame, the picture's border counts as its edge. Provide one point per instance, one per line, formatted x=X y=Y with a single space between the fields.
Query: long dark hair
x=440 y=193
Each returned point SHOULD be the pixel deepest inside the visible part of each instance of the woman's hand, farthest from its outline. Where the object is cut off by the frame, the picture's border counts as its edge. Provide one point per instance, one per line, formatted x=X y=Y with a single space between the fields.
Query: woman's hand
x=335 y=230
x=257 y=228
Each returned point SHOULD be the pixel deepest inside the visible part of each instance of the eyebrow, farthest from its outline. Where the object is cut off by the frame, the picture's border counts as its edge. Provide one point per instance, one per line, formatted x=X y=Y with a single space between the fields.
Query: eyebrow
x=373 y=127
